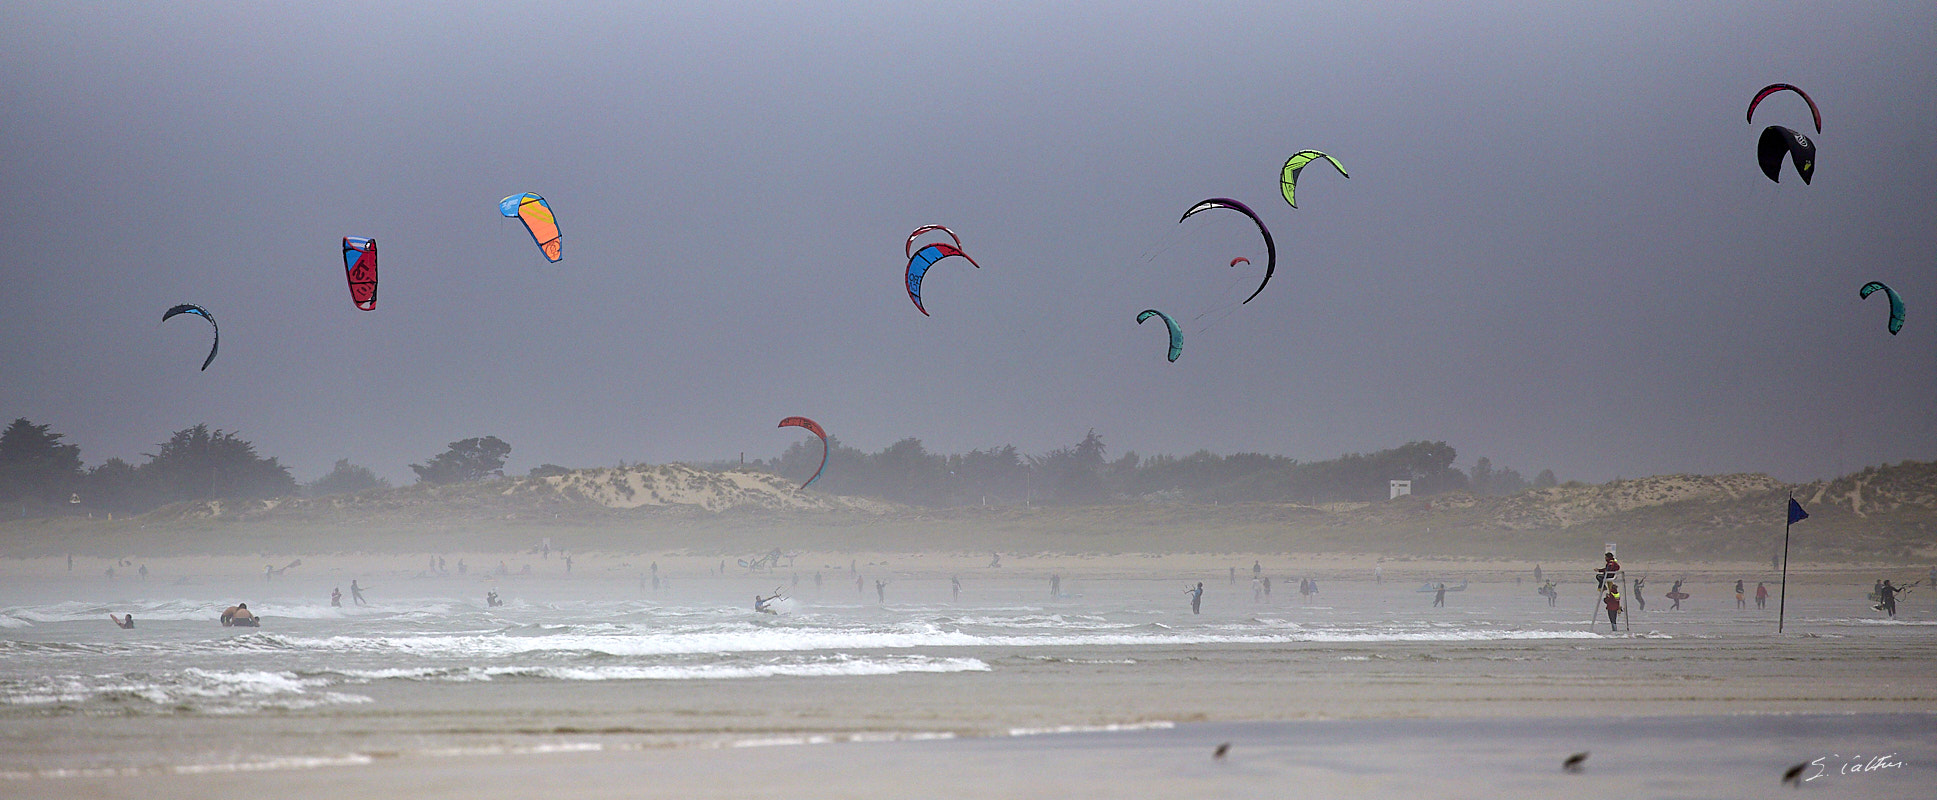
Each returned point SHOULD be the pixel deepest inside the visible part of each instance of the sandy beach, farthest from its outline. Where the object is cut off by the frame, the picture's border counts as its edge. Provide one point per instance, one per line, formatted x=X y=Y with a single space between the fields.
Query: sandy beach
x=590 y=682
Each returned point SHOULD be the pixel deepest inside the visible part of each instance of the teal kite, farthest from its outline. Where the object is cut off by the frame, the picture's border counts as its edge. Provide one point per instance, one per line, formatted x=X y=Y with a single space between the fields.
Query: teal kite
x=1176 y=334
x=1288 y=180
x=1896 y=303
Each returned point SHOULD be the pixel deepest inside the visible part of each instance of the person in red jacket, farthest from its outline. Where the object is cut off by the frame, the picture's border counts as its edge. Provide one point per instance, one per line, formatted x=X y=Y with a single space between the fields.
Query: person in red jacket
x=1608 y=570
x=1612 y=599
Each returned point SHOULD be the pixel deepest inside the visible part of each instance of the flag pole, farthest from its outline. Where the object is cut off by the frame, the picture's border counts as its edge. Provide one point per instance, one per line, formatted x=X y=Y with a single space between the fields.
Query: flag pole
x=1782 y=599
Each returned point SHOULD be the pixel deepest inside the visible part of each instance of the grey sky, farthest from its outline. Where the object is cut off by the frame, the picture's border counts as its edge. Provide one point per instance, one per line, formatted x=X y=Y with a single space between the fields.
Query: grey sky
x=1555 y=249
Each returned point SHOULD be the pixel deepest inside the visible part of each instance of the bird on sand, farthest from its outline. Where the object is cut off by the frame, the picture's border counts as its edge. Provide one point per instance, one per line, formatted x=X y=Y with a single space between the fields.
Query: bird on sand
x=1573 y=762
x=1222 y=749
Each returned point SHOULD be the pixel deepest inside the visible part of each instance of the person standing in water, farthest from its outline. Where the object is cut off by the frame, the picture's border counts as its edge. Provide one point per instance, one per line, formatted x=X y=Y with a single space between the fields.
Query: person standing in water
x=1439 y=597
x=881 y=590
x=356 y=594
x=1196 y=597
x=955 y=588
x=1055 y=585
x=336 y=597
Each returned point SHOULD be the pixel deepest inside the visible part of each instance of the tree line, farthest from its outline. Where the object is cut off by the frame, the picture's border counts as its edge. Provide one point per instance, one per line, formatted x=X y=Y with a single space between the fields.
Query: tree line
x=43 y=475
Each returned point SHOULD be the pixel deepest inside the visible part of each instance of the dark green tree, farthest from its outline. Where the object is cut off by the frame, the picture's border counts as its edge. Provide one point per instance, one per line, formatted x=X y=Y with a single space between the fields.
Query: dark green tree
x=198 y=464
x=469 y=460
x=34 y=463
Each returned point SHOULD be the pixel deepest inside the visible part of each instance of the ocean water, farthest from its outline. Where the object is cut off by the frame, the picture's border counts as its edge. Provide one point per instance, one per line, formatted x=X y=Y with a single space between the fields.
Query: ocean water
x=429 y=669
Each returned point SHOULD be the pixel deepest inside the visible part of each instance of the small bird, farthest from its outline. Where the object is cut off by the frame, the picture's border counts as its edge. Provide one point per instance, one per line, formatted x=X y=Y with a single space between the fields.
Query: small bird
x=1222 y=749
x=1573 y=762
x=1794 y=774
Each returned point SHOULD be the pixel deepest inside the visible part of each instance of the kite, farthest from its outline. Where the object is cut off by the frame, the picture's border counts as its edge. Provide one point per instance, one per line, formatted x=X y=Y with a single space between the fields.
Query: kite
x=360 y=262
x=920 y=260
x=191 y=308
x=1270 y=247
x=1288 y=179
x=1234 y=261
x=815 y=427
x=1777 y=141
x=1777 y=87
x=539 y=222
x=1896 y=303
x=909 y=248
x=1176 y=335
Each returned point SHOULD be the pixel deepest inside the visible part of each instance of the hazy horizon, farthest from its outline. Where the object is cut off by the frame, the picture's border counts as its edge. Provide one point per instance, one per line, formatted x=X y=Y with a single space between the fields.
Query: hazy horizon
x=1555 y=249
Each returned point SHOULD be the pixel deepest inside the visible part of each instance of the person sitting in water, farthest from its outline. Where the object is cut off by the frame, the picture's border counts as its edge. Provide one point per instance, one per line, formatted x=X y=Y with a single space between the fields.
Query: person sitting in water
x=239 y=615
x=125 y=621
x=763 y=604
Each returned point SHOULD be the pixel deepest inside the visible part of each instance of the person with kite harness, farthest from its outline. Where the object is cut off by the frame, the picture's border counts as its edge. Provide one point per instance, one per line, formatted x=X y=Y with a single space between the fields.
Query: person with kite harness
x=125 y=622
x=1439 y=597
x=239 y=616
x=1640 y=600
x=1607 y=570
x=1196 y=596
x=764 y=605
x=1612 y=599
x=1887 y=597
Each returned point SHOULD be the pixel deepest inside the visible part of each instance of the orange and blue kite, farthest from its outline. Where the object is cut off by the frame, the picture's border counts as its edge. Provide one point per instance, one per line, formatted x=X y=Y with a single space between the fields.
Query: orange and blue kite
x=539 y=222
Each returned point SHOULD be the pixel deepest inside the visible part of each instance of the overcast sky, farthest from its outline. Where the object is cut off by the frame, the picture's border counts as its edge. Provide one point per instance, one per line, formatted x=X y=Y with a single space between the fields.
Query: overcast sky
x=1555 y=250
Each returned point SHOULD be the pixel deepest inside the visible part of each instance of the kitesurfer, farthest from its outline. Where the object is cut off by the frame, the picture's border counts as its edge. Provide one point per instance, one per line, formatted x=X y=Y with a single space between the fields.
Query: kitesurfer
x=1887 y=597
x=1196 y=596
x=356 y=594
x=760 y=604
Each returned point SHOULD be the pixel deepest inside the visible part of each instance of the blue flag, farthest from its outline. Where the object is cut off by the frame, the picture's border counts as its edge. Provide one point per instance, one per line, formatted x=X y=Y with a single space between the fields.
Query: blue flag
x=1796 y=514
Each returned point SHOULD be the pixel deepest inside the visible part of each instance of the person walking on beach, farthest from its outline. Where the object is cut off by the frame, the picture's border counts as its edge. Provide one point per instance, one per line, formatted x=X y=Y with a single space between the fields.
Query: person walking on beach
x=1536 y=573
x=1739 y=603
x=356 y=594
x=1439 y=597
x=1640 y=601
x=1257 y=590
x=1196 y=596
x=1553 y=595
x=1234 y=574
x=1055 y=585
x=1676 y=594
x=1761 y=595
x=336 y=597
